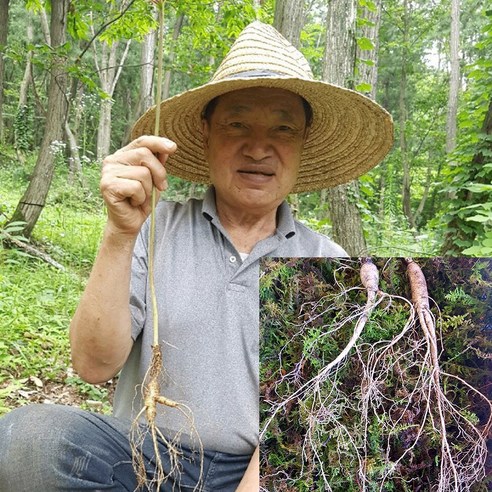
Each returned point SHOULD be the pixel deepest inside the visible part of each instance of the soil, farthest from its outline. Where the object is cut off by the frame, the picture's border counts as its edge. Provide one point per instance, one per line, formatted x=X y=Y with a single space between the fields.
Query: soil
x=56 y=391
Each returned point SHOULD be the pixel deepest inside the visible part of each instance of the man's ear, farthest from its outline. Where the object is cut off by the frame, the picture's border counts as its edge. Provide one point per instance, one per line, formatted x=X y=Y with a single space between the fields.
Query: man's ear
x=205 y=132
x=306 y=133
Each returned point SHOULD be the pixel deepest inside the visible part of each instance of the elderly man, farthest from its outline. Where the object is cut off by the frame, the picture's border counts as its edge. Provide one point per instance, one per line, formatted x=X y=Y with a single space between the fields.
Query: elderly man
x=259 y=130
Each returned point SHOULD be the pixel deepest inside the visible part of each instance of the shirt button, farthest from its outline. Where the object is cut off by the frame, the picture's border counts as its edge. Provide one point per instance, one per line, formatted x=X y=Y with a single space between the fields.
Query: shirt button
x=232 y=259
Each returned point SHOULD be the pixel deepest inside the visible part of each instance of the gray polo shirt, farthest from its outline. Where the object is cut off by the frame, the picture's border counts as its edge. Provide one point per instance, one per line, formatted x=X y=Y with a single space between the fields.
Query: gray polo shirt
x=208 y=320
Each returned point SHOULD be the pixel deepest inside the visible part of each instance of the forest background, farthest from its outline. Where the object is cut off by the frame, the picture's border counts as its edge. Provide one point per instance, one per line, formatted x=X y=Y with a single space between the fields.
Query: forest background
x=70 y=94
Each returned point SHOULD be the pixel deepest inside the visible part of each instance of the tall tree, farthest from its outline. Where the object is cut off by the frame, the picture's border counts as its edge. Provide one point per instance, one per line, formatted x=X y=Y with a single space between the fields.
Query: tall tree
x=26 y=80
x=405 y=157
x=367 y=53
x=4 y=23
x=339 y=64
x=454 y=85
x=109 y=69
x=21 y=138
x=289 y=19
x=166 y=85
x=34 y=199
x=145 y=96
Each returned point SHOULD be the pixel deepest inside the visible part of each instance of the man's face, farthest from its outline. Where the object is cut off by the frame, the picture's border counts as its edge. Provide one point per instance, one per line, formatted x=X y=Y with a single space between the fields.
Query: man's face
x=253 y=144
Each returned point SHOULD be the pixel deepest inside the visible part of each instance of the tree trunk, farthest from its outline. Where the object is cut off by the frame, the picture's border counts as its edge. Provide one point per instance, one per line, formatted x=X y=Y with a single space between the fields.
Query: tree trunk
x=22 y=107
x=406 y=186
x=104 y=129
x=166 y=85
x=26 y=80
x=339 y=63
x=368 y=72
x=145 y=99
x=454 y=85
x=425 y=195
x=4 y=22
x=109 y=70
x=346 y=221
x=289 y=19
x=145 y=94
x=34 y=199
x=74 y=163
x=45 y=26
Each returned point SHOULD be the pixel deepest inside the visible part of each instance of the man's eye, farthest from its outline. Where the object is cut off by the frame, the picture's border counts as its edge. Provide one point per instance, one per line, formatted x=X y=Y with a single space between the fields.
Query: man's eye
x=236 y=124
x=285 y=128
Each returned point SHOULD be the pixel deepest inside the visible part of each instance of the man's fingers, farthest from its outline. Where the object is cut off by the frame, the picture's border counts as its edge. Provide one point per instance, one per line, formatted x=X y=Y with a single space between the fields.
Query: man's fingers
x=129 y=179
x=161 y=147
x=129 y=164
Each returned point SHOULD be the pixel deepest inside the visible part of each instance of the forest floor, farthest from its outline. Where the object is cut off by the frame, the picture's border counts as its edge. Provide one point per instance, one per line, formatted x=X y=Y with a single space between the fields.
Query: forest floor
x=37 y=300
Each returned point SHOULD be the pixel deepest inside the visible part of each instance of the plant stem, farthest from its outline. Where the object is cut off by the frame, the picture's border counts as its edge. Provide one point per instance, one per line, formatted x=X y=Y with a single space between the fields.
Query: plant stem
x=155 y=316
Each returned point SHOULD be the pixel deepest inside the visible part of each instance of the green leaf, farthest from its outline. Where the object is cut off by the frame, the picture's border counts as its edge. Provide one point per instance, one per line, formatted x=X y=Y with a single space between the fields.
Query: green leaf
x=477 y=251
x=369 y=4
x=478 y=187
x=479 y=218
x=365 y=43
x=363 y=87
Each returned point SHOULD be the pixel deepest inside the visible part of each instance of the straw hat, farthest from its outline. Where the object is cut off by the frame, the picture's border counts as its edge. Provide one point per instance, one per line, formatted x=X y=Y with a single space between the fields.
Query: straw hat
x=349 y=134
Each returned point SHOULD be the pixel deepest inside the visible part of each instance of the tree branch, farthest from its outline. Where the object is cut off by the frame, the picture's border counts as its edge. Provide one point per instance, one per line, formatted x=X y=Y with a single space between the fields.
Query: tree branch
x=31 y=250
x=102 y=28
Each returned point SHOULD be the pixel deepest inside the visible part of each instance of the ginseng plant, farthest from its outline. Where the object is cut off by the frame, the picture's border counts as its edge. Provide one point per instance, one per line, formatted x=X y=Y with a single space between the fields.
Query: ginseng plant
x=151 y=396
x=380 y=410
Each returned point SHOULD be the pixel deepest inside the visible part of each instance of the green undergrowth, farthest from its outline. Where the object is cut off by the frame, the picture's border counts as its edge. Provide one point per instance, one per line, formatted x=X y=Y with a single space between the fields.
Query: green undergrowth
x=37 y=300
x=307 y=317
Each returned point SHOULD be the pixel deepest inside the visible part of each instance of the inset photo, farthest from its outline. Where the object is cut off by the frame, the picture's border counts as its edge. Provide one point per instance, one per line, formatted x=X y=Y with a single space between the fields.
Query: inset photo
x=375 y=374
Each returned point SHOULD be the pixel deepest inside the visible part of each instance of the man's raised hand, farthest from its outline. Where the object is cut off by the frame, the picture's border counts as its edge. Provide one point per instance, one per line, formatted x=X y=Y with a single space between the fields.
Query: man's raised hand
x=127 y=178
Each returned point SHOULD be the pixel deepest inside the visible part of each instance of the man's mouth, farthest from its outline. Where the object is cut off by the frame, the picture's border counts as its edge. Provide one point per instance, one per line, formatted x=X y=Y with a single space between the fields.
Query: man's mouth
x=257 y=172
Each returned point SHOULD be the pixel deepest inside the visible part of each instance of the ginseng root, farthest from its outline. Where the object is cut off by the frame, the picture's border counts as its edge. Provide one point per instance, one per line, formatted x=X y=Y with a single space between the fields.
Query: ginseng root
x=460 y=466
x=417 y=416
x=151 y=399
x=151 y=387
x=370 y=280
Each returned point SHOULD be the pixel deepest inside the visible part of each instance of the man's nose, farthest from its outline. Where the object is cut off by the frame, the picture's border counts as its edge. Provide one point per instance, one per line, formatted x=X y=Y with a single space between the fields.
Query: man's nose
x=258 y=146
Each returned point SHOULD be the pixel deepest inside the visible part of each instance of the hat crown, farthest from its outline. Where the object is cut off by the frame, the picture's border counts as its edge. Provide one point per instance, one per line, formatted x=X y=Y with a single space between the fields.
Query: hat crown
x=261 y=51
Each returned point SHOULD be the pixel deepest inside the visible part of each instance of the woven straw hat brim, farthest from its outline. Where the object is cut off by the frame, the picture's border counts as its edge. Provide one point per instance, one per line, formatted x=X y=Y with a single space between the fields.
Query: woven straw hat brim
x=350 y=133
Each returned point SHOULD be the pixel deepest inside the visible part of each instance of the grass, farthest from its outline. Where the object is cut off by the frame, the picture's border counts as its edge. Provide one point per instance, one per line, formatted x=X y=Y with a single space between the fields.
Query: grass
x=37 y=301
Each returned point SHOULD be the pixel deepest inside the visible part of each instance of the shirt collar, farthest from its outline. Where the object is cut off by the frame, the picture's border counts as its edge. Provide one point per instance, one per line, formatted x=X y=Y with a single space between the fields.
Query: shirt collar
x=285 y=220
x=209 y=209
